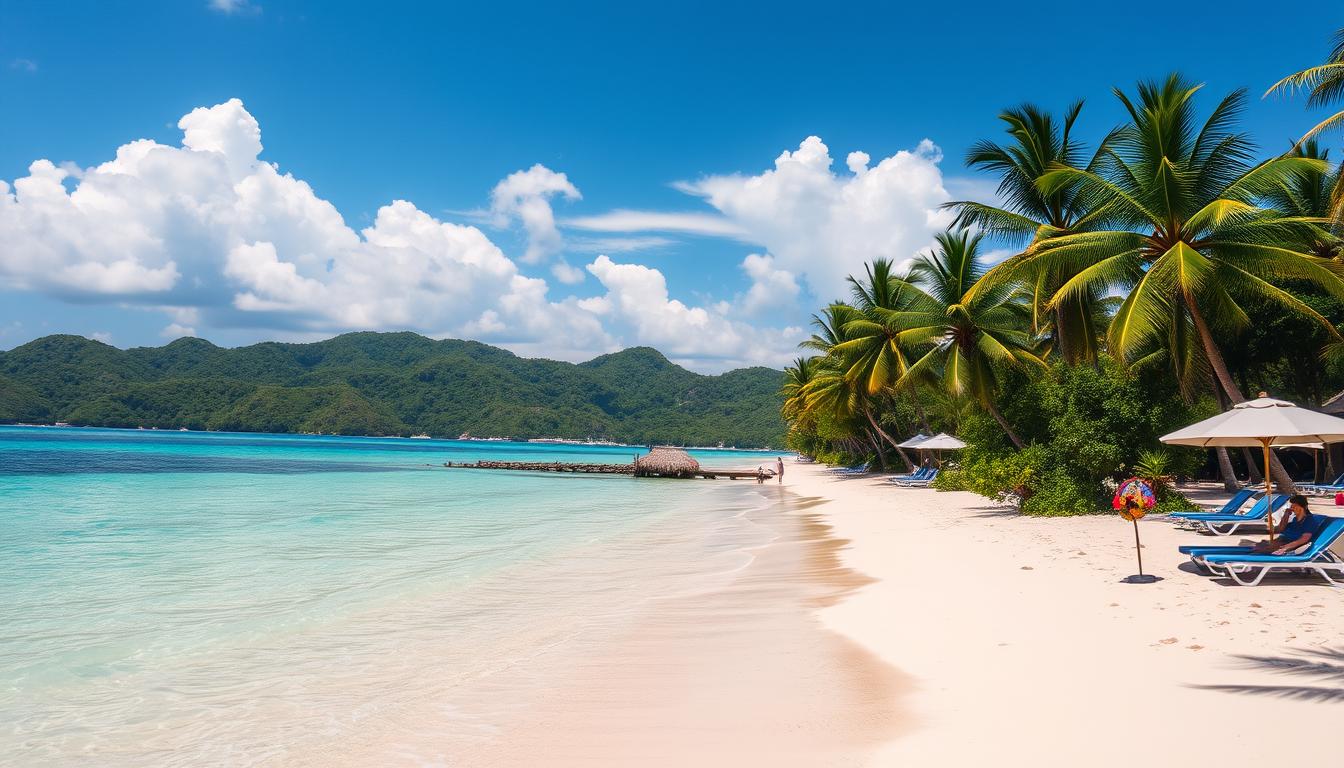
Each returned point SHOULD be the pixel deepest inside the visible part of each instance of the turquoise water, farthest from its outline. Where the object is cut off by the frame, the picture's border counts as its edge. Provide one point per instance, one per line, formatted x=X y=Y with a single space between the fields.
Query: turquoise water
x=176 y=598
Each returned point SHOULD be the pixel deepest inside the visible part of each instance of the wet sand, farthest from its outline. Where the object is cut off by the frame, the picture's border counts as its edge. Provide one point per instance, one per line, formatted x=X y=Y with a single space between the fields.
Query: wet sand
x=739 y=672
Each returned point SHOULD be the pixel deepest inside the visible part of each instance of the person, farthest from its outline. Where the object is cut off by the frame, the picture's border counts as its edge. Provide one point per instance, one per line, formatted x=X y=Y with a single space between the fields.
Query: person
x=760 y=474
x=779 y=469
x=1300 y=530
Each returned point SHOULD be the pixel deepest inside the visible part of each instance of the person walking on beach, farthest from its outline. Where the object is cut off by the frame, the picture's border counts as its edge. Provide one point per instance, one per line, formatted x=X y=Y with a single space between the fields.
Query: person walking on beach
x=779 y=469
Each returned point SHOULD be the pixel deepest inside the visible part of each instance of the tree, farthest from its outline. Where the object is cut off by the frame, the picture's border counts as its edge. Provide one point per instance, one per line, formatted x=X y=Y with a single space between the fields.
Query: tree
x=1030 y=215
x=1185 y=236
x=966 y=338
x=1324 y=85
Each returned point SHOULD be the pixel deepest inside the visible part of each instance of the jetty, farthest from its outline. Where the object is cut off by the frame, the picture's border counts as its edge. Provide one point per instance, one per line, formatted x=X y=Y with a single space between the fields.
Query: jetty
x=659 y=462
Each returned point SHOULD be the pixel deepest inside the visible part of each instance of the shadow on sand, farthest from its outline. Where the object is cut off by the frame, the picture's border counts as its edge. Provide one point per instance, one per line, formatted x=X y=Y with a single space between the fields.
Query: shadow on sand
x=1323 y=667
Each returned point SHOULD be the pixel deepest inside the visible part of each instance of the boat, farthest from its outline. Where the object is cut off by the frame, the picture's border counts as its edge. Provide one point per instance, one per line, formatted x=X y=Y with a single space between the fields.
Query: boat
x=419 y=437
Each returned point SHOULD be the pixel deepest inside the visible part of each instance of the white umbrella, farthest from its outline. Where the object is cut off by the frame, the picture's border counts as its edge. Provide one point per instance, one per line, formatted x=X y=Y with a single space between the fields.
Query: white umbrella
x=913 y=442
x=1265 y=422
x=942 y=442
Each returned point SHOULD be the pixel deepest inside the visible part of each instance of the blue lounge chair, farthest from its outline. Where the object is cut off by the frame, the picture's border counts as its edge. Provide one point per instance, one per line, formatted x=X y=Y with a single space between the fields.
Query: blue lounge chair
x=918 y=474
x=1322 y=489
x=857 y=469
x=922 y=482
x=1248 y=569
x=1226 y=525
x=1230 y=508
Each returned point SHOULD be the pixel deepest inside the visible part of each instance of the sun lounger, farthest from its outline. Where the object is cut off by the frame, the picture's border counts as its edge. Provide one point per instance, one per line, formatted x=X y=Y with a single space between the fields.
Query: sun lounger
x=918 y=474
x=1226 y=525
x=923 y=482
x=1230 y=508
x=1248 y=569
x=1322 y=489
x=857 y=469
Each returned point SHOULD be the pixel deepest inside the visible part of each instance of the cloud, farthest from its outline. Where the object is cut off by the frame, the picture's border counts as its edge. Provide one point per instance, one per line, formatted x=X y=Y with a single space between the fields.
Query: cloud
x=525 y=195
x=616 y=244
x=102 y=336
x=824 y=226
x=770 y=287
x=700 y=336
x=23 y=65
x=234 y=7
x=691 y=223
x=212 y=236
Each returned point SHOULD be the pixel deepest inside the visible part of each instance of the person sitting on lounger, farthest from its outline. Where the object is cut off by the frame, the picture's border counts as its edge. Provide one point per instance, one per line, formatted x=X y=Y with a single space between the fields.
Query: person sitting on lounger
x=1298 y=532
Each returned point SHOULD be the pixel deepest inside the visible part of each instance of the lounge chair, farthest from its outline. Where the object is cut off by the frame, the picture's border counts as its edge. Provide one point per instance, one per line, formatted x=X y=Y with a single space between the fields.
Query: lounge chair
x=1248 y=569
x=857 y=469
x=918 y=474
x=1230 y=508
x=923 y=482
x=1322 y=489
x=1225 y=525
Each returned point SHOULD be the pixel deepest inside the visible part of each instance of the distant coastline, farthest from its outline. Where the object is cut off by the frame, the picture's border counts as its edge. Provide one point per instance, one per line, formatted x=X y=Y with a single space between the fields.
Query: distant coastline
x=388 y=384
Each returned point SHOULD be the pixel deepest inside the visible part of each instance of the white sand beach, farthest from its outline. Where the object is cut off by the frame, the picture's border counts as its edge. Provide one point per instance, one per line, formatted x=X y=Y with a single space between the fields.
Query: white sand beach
x=1022 y=646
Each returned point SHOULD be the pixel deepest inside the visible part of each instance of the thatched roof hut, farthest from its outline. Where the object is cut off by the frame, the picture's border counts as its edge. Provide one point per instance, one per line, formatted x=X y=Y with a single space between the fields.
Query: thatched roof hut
x=666 y=462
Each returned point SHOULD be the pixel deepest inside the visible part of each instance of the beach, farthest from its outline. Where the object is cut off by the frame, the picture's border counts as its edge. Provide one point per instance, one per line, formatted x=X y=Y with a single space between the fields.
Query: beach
x=1021 y=646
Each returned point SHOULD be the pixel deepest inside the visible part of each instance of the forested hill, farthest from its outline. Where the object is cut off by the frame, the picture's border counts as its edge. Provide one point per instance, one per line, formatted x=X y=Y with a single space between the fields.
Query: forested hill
x=386 y=384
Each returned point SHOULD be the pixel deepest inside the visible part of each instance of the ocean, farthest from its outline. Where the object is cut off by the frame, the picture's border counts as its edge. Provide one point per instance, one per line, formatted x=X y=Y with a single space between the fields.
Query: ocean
x=189 y=598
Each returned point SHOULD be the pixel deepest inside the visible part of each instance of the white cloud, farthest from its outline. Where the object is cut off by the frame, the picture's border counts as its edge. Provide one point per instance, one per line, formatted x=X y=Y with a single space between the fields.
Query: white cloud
x=657 y=221
x=102 y=336
x=825 y=226
x=616 y=244
x=567 y=273
x=770 y=287
x=234 y=7
x=698 y=336
x=525 y=195
x=23 y=65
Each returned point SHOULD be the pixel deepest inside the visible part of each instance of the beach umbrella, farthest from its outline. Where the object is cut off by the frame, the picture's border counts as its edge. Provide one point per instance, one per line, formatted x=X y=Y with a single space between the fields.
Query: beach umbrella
x=1265 y=422
x=942 y=442
x=913 y=442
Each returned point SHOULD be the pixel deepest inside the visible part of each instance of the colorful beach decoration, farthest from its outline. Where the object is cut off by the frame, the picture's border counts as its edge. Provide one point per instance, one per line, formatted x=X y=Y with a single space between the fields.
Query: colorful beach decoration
x=1133 y=498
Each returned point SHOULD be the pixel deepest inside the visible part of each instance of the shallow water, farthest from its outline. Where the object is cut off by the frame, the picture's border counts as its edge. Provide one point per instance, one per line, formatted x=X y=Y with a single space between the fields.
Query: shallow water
x=203 y=598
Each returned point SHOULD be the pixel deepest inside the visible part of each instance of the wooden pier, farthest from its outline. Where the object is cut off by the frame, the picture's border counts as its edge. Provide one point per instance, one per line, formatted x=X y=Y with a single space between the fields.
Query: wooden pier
x=660 y=462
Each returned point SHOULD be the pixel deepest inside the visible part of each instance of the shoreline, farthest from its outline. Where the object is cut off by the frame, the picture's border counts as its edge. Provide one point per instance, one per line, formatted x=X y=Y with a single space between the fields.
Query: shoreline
x=1023 y=647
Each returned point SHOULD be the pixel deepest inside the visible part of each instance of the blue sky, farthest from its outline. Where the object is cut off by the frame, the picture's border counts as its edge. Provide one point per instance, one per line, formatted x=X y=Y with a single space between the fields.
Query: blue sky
x=675 y=109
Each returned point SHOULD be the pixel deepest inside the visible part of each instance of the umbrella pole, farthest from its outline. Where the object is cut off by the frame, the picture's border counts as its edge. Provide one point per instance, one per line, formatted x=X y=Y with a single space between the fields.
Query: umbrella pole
x=1269 y=493
x=1138 y=549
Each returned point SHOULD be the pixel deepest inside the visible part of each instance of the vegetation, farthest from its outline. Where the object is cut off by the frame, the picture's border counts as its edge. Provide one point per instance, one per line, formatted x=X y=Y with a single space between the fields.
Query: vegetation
x=386 y=384
x=1154 y=281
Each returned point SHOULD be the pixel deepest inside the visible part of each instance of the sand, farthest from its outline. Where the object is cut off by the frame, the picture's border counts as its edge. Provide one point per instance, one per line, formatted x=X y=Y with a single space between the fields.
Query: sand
x=1022 y=646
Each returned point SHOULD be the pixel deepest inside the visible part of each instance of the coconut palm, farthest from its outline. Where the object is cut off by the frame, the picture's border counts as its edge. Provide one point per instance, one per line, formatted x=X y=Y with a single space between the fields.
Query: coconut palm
x=1030 y=214
x=1324 y=85
x=1185 y=234
x=964 y=340
x=1317 y=193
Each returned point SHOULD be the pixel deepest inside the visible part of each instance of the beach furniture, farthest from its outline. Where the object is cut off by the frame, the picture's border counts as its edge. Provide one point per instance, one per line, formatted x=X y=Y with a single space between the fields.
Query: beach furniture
x=857 y=469
x=1322 y=489
x=1225 y=525
x=918 y=474
x=1230 y=508
x=923 y=482
x=1249 y=569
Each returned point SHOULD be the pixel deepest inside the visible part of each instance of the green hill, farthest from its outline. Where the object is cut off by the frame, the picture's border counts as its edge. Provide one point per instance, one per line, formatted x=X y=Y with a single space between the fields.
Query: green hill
x=386 y=384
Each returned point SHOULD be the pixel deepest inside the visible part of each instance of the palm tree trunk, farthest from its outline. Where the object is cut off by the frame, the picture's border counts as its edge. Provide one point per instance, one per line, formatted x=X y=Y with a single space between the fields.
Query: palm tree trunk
x=1225 y=469
x=1224 y=376
x=1008 y=430
x=869 y=415
x=1253 y=465
x=881 y=455
x=1062 y=334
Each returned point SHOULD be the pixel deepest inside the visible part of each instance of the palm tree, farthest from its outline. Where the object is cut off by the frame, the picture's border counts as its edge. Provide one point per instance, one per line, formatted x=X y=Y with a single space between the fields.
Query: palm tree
x=1185 y=233
x=1314 y=194
x=964 y=339
x=1030 y=215
x=1324 y=84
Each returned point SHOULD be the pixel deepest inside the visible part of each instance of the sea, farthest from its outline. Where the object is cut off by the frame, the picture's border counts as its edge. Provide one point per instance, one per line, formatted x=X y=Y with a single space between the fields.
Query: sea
x=201 y=598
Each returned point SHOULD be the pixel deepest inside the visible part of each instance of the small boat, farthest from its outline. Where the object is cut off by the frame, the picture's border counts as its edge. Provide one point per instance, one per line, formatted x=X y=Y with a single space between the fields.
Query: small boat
x=419 y=437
